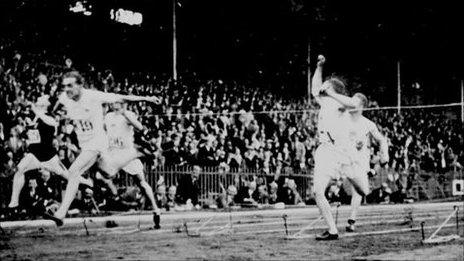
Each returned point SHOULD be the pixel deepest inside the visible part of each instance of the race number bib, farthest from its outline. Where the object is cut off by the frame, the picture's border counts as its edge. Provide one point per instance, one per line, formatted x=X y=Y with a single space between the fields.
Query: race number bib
x=116 y=142
x=84 y=127
x=33 y=136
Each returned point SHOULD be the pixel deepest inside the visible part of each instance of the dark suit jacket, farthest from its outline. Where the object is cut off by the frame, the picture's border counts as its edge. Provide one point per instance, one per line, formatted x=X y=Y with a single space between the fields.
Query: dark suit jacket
x=188 y=189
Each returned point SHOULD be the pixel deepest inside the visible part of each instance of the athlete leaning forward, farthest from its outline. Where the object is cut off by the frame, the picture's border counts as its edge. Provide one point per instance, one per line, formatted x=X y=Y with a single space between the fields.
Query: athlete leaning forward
x=85 y=108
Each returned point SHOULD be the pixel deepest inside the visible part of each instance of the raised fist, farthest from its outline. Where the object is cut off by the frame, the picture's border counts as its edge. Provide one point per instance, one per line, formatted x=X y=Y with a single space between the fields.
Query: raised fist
x=320 y=60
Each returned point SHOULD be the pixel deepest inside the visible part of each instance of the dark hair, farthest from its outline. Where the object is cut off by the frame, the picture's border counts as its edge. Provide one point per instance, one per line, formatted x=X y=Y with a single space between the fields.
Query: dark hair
x=76 y=75
x=338 y=84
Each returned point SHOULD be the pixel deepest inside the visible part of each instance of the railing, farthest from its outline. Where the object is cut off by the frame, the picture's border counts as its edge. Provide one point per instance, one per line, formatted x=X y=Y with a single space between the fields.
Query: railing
x=424 y=186
x=211 y=178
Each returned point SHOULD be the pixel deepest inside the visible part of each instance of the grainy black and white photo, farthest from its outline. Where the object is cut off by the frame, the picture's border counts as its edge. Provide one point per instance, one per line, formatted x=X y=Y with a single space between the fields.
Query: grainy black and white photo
x=231 y=130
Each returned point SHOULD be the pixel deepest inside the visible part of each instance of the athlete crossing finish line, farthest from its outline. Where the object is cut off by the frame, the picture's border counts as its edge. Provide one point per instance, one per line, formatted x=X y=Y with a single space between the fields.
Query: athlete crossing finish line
x=360 y=133
x=343 y=145
x=85 y=108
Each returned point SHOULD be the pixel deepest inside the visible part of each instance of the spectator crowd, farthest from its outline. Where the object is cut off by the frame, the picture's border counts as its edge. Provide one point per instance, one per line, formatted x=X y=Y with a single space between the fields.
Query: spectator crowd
x=228 y=126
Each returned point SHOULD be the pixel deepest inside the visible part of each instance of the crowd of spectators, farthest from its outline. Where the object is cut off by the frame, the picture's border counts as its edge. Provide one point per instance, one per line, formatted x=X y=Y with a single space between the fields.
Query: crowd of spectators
x=214 y=124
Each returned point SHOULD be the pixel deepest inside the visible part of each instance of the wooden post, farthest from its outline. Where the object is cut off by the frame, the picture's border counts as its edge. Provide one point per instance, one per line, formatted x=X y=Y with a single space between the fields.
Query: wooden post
x=398 y=98
x=174 y=41
x=308 y=74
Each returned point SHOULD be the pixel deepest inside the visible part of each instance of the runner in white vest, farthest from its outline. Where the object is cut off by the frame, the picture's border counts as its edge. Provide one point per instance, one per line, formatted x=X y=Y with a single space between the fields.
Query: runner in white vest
x=360 y=133
x=120 y=124
x=84 y=108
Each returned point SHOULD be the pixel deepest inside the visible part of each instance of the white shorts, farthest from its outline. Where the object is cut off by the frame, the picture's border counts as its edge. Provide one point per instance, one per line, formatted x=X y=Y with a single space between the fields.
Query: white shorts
x=97 y=143
x=359 y=161
x=112 y=161
x=330 y=161
x=357 y=175
x=30 y=162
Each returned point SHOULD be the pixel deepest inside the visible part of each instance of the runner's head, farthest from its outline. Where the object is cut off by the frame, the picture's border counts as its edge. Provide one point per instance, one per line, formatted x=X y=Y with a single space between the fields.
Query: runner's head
x=361 y=100
x=336 y=83
x=118 y=106
x=73 y=83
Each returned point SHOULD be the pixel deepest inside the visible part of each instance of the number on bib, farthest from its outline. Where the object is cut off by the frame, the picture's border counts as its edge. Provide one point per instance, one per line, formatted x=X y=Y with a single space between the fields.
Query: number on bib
x=116 y=142
x=33 y=136
x=84 y=126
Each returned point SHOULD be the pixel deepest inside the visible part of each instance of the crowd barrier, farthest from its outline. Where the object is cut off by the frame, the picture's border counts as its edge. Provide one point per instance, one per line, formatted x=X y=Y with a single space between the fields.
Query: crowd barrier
x=420 y=185
x=425 y=185
x=211 y=178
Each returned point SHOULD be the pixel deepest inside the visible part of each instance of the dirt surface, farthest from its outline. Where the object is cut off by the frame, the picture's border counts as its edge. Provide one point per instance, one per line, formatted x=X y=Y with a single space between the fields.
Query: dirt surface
x=446 y=252
x=255 y=237
x=146 y=246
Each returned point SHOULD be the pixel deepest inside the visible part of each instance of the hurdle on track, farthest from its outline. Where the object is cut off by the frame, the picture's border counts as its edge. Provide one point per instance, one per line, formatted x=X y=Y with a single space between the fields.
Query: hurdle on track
x=299 y=234
x=441 y=239
x=225 y=229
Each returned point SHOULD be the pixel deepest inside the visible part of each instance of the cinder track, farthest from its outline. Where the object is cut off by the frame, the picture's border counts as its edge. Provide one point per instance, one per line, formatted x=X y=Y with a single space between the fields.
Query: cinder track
x=390 y=230
x=243 y=222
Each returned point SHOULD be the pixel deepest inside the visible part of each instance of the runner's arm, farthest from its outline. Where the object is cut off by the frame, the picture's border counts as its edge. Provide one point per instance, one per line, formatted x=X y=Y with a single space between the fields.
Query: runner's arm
x=107 y=97
x=153 y=99
x=60 y=103
x=132 y=119
x=346 y=101
x=317 y=77
x=45 y=118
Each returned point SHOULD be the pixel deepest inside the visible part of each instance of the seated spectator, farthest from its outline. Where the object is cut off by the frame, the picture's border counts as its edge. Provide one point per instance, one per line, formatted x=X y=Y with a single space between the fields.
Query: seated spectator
x=273 y=192
x=226 y=198
x=297 y=200
x=188 y=188
x=171 y=198
x=49 y=186
x=247 y=194
x=399 y=196
x=336 y=193
x=84 y=203
x=290 y=195
x=380 y=195
x=39 y=194
x=262 y=193
x=161 y=198
x=263 y=196
x=30 y=197
x=131 y=198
